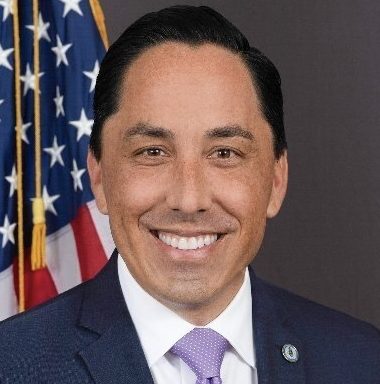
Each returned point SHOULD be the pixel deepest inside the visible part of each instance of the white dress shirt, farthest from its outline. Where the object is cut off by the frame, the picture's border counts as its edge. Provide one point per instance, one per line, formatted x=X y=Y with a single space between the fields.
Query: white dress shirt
x=159 y=328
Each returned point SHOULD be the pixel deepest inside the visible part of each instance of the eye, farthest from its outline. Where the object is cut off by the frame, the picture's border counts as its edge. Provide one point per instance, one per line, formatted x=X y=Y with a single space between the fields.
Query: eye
x=224 y=153
x=151 y=152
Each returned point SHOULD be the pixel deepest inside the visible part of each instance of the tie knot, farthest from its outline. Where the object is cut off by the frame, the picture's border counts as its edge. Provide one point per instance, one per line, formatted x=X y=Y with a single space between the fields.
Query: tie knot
x=202 y=349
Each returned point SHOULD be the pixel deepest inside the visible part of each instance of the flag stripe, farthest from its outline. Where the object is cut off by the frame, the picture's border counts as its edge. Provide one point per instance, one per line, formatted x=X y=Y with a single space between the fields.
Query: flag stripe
x=8 y=305
x=102 y=226
x=39 y=285
x=91 y=254
x=62 y=259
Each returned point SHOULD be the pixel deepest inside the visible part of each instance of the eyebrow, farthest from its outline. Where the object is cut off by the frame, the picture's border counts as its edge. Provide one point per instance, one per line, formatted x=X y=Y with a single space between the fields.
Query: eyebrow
x=226 y=131
x=145 y=129
x=230 y=131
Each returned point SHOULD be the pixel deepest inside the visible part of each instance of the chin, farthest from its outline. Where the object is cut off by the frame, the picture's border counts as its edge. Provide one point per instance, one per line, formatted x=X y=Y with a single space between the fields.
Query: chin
x=185 y=294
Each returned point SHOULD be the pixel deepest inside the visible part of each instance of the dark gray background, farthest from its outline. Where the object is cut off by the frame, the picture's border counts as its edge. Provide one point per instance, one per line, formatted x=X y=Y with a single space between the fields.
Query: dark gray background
x=325 y=243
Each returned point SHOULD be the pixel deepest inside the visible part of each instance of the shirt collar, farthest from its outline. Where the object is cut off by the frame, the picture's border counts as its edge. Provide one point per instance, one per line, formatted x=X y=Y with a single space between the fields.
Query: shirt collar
x=235 y=323
x=158 y=336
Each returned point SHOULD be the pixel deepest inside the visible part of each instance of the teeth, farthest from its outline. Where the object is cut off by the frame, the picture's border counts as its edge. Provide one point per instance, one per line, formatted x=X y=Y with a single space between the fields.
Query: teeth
x=181 y=242
x=174 y=242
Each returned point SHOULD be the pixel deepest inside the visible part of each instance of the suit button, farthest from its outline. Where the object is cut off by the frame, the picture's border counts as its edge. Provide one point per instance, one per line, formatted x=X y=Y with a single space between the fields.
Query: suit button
x=290 y=353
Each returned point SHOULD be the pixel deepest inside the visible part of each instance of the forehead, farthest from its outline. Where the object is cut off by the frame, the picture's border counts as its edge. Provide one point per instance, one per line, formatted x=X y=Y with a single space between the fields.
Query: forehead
x=170 y=55
x=201 y=84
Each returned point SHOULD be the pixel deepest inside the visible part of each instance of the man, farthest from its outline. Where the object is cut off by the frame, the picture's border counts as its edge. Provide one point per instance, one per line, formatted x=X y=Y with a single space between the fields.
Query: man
x=188 y=158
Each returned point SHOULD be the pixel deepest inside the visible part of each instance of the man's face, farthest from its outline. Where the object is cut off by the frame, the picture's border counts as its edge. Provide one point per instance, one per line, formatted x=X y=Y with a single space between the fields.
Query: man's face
x=188 y=160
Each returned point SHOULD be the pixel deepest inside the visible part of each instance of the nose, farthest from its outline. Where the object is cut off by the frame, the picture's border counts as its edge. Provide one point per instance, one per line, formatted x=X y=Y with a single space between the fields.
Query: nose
x=189 y=191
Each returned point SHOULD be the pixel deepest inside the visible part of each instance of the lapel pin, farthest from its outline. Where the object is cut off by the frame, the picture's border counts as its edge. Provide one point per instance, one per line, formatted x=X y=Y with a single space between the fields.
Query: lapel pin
x=290 y=353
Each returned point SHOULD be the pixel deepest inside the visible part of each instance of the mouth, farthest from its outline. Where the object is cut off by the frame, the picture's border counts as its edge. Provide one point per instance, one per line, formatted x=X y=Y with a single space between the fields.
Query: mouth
x=187 y=243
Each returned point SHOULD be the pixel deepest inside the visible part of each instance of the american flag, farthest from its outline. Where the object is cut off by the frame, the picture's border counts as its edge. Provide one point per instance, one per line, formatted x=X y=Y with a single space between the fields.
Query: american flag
x=78 y=238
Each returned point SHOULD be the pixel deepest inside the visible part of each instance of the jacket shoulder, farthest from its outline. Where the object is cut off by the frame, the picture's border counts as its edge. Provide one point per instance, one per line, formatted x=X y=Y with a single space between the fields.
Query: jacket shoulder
x=44 y=344
x=45 y=335
x=331 y=340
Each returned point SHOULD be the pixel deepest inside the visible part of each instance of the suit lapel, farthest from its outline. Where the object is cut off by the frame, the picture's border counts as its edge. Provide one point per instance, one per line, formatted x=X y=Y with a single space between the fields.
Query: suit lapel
x=272 y=329
x=116 y=356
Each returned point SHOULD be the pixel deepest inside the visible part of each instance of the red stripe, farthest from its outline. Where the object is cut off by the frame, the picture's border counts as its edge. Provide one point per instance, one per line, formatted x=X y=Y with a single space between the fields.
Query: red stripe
x=39 y=286
x=91 y=254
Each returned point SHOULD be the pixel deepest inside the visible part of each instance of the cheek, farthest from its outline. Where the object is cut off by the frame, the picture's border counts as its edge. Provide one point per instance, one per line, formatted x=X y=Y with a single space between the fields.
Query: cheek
x=131 y=192
x=244 y=195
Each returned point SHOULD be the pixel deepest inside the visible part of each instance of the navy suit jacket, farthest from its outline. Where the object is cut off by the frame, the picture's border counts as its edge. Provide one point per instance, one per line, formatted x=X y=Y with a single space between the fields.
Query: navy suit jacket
x=86 y=335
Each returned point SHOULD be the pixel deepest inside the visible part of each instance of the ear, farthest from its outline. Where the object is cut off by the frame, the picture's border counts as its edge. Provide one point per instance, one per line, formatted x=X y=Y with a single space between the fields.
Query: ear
x=95 y=172
x=279 y=186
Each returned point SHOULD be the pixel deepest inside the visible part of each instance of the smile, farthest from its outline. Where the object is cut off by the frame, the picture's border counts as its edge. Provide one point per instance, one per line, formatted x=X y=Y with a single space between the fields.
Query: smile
x=182 y=242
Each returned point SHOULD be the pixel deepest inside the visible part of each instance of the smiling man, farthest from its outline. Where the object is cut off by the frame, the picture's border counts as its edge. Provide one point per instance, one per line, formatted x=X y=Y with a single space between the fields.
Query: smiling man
x=188 y=175
x=188 y=158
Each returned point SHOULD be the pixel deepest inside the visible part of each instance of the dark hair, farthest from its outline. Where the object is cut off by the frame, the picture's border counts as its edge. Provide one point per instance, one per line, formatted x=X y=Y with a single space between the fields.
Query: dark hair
x=193 y=26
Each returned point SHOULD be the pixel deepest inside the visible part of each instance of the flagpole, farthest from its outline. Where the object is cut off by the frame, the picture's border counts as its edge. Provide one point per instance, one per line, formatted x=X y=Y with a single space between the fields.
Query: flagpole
x=97 y=12
x=39 y=222
x=20 y=197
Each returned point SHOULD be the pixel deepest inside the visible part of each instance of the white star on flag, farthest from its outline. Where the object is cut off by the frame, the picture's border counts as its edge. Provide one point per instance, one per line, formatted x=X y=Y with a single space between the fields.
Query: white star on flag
x=28 y=79
x=7 y=231
x=77 y=174
x=24 y=128
x=58 y=100
x=60 y=50
x=12 y=180
x=42 y=29
x=4 y=53
x=93 y=75
x=55 y=152
x=49 y=201
x=71 y=5
x=83 y=125
x=7 y=8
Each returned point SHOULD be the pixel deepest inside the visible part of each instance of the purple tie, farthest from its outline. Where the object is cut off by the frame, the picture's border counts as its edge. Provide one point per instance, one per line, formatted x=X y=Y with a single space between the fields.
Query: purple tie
x=202 y=349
